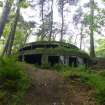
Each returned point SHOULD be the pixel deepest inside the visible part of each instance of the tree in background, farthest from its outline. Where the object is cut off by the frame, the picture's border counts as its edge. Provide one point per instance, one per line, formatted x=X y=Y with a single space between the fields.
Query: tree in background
x=61 y=10
x=27 y=26
x=11 y=36
x=5 y=14
x=91 y=22
x=100 y=49
x=77 y=19
x=41 y=4
x=61 y=5
x=45 y=30
x=10 y=40
x=51 y=20
x=92 y=50
x=51 y=29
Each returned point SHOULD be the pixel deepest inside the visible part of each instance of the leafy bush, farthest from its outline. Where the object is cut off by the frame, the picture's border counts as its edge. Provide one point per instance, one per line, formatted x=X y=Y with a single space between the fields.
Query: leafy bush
x=13 y=80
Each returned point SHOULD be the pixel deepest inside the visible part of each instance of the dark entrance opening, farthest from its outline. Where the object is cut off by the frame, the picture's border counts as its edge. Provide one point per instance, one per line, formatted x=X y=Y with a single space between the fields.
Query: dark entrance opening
x=53 y=60
x=73 y=61
x=20 y=58
x=87 y=62
x=33 y=59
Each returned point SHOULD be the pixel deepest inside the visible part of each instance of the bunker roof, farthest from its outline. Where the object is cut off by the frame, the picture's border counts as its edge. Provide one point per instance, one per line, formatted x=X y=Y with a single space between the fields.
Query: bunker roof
x=53 y=44
x=52 y=48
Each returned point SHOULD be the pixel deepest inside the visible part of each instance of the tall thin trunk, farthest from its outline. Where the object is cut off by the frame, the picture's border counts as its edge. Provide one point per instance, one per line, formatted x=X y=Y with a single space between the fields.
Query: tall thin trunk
x=10 y=40
x=42 y=9
x=92 y=51
x=13 y=30
x=5 y=15
x=62 y=6
x=51 y=22
x=75 y=42
x=54 y=37
x=81 y=37
x=6 y=46
x=26 y=37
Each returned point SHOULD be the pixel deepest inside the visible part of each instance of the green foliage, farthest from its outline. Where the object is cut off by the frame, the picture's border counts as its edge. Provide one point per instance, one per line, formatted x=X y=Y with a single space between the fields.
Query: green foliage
x=62 y=50
x=88 y=77
x=19 y=35
x=6 y=30
x=19 y=38
x=13 y=81
x=1 y=4
x=100 y=50
x=24 y=4
x=87 y=19
x=20 y=31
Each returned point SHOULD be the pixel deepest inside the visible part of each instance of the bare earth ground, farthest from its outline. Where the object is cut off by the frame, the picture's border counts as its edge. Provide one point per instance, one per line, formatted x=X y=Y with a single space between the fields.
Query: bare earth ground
x=49 y=88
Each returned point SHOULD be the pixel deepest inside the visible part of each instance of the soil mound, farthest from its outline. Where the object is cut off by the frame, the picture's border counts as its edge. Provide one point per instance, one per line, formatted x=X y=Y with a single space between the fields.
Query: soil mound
x=49 y=88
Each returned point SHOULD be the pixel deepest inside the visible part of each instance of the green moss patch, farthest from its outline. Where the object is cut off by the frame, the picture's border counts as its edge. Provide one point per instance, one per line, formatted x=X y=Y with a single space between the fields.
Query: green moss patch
x=68 y=45
x=58 y=51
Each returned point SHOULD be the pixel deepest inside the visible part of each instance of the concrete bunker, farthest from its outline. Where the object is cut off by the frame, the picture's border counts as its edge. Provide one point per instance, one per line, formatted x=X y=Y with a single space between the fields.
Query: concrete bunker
x=53 y=53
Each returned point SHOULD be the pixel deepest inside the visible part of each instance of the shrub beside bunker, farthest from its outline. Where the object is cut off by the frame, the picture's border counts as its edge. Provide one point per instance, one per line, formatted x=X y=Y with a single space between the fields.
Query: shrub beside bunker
x=13 y=81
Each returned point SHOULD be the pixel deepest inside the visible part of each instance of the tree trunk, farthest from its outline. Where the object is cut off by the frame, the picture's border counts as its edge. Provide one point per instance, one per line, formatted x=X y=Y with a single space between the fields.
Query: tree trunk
x=81 y=37
x=26 y=37
x=75 y=42
x=4 y=16
x=6 y=46
x=10 y=40
x=51 y=21
x=92 y=51
x=42 y=7
x=12 y=33
x=62 y=6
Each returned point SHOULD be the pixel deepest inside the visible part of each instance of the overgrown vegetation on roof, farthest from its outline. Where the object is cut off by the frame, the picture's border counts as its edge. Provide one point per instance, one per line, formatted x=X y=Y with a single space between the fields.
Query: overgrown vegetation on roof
x=57 y=51
x=63 y=44
x=61 y=49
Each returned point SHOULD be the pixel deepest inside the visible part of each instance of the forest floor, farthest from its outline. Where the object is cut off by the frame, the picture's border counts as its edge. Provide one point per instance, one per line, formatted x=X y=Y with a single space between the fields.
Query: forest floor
x=47 y=87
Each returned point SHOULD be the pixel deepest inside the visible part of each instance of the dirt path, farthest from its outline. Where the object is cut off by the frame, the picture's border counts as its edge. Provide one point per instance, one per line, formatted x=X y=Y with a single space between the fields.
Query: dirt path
x=49 y=88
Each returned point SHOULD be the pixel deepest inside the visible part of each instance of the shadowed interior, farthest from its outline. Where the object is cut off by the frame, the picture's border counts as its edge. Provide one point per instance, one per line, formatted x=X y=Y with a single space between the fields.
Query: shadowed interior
x=53 y=60
x=33 y=59
x=73 y=61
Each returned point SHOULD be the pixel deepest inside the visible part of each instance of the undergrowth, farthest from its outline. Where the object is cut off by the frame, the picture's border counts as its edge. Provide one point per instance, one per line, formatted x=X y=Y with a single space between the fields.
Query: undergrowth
x=13 y=82
x=89 y=77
